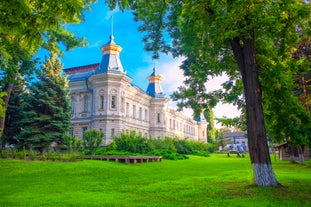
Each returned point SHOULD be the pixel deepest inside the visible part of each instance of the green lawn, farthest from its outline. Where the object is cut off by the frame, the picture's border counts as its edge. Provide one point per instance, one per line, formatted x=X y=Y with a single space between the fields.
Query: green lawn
x=198 y=181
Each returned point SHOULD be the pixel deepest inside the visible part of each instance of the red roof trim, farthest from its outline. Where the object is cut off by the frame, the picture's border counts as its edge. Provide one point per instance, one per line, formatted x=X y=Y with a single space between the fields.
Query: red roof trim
x=81 y=69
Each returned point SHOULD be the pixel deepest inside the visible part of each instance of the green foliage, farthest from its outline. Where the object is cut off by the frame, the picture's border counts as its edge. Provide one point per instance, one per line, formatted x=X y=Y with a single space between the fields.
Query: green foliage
x=21 y=154
x=188 y=146
x=26 y=26
x=33 y=24
x=286 y=117
x=14 y=112
x=163 y=144
x=2 y=109
x=209 y=116
x=93 y=139
x=133 y=142
x=46 y=109
x=72 y=143
x=32 y=154
x=212 y=147
x=169 y=148
x=216 y=181
x=112 y=146
x=241 y=39
x=169 y=154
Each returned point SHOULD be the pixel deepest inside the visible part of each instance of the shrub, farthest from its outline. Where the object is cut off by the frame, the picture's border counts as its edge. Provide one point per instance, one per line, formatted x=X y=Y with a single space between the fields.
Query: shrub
x=182 y=147
x=100 y=151
x=93 y=139
x=86 y=152
x=133 y=142
x=166 y=143
x=201 y=153
x=168 y=148
x=111 y=146
x=211 y=147
x=168 y=154
x=22 y=153
x=3 y=154
x=32 y=154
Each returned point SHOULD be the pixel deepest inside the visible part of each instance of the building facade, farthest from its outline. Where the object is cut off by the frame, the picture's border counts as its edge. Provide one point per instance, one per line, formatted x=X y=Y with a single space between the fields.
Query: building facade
x=102 y=97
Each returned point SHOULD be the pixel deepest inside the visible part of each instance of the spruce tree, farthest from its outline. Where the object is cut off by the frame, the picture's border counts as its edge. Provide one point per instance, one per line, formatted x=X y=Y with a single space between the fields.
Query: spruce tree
x=46 y=108
x=13 y=113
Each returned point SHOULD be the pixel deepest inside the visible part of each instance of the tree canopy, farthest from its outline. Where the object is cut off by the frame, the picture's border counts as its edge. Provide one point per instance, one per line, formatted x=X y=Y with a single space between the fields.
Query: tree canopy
x=26 y=26
x=240 y=38
x=46 y=108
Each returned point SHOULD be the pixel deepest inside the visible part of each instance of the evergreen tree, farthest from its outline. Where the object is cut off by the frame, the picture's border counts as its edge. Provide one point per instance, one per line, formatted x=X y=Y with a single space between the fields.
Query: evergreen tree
x=13 y=113
x=46 y=108
x=26 y=26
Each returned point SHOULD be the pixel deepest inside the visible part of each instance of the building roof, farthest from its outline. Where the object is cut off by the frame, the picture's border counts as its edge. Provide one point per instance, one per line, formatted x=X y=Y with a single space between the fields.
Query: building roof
x=81 y=69
x=154 y=87
x=111 y=58
x=80 y=76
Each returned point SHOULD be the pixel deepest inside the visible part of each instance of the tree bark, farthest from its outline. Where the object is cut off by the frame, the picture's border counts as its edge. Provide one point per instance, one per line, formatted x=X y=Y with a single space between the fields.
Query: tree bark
x=291 y=153
x=8 y=89
x=300 y=155
x=244 y=52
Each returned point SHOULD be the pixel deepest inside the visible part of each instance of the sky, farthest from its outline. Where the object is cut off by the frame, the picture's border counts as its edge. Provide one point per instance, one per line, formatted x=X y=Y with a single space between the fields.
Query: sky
x=96 y=28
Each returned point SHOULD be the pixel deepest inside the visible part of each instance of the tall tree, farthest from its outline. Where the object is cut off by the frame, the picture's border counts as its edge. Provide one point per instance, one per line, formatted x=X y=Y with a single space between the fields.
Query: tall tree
x=2 y=108
x=27 y=25
x=46 y=108
x=211 y=130
x=13 y=113
x=225 y=36
x=286 y=99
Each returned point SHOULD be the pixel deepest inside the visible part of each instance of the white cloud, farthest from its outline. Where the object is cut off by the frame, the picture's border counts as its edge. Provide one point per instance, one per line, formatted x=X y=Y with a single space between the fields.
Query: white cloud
x=172 y=75
x=173 y=78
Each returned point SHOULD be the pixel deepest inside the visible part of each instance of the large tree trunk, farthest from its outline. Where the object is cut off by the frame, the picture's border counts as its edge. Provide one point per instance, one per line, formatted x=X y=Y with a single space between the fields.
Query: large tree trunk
x=301 y=155
x=291 y=152
x=244 y=53
x=8 y=89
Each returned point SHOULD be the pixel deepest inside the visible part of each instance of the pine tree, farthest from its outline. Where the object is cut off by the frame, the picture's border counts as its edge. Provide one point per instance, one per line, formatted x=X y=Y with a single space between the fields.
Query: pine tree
x=13 y=113
x=46 y=108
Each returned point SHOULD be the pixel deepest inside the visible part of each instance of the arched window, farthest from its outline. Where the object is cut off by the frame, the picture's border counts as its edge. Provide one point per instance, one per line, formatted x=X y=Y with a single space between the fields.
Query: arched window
x=134 y=111
x=140 y=113
x=72 y=105
x=146 y=115
x=85 y=103
x=122 y=104
x=101 y=102
x=127 y=109
x=113 y=102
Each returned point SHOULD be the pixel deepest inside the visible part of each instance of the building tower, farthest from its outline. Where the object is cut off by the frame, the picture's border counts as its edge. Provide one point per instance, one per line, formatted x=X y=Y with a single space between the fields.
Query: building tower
x=158 y=105
x=111 y=58
x=154 y=87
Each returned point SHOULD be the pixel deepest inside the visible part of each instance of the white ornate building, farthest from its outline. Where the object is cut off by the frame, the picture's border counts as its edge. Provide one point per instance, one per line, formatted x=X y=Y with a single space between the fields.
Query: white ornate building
x=103 y=97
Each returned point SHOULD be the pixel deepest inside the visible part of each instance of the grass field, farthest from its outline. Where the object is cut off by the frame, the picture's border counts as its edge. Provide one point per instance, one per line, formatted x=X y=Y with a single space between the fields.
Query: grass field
x=198 y=181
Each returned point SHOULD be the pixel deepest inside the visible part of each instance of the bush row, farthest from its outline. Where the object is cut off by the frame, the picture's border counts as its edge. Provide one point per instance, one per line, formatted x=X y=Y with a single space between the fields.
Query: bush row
x=30 y=154
x=170 y=148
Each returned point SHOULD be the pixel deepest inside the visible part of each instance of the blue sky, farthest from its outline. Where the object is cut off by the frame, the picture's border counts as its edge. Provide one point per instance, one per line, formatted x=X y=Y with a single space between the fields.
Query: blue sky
x=97 y=28
x=137 y=62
